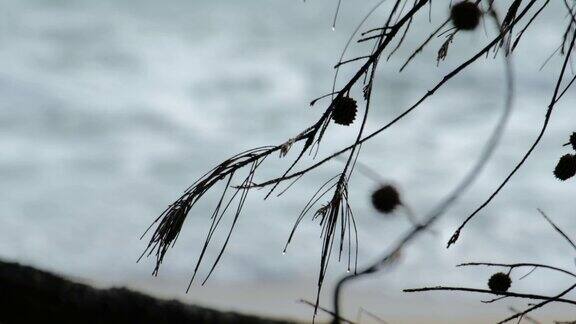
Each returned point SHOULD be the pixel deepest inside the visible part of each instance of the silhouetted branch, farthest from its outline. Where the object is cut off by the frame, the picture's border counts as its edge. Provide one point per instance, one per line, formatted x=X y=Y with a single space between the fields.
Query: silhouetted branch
x=507 y=294
x=557 y=229
x=539 y=305
x=430 y=92
x=549 y=112
x=336 y=216
x=517 y=265
x=500 y=282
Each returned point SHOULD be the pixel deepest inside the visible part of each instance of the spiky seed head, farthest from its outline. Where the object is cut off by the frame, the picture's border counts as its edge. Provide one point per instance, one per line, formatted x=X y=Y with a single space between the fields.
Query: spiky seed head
x=566 y=167
x=573 y=140
x=465 y=15
x=385 y=199
x=345 y=109
x=499 y=282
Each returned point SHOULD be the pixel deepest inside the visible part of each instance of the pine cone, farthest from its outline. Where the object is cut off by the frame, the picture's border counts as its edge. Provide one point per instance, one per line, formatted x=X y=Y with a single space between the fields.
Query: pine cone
x=499 y=282
x=385 y=199
x=465 y=15
x=345 y=109
x=566 y=167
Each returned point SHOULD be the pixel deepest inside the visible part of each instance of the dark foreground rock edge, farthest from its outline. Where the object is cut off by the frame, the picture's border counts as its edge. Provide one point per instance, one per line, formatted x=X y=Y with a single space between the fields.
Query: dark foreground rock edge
x=29 y=295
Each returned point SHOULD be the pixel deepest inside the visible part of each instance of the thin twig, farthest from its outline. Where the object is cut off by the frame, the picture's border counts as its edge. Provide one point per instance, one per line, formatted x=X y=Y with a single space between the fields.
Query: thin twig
x=539 y=305
x=557 y=229
x=486 y=291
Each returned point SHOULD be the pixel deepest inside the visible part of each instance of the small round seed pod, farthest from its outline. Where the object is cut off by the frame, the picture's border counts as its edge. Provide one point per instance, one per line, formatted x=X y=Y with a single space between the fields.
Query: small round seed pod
x=573 y=140
x=499 y=282
x=566 y=167
x=465 y=15
x=386 y=199
x=345 y=109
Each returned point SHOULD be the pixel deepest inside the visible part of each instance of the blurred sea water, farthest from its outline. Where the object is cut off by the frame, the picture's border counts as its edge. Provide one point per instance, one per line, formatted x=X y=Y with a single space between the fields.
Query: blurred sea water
x=110 y=109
